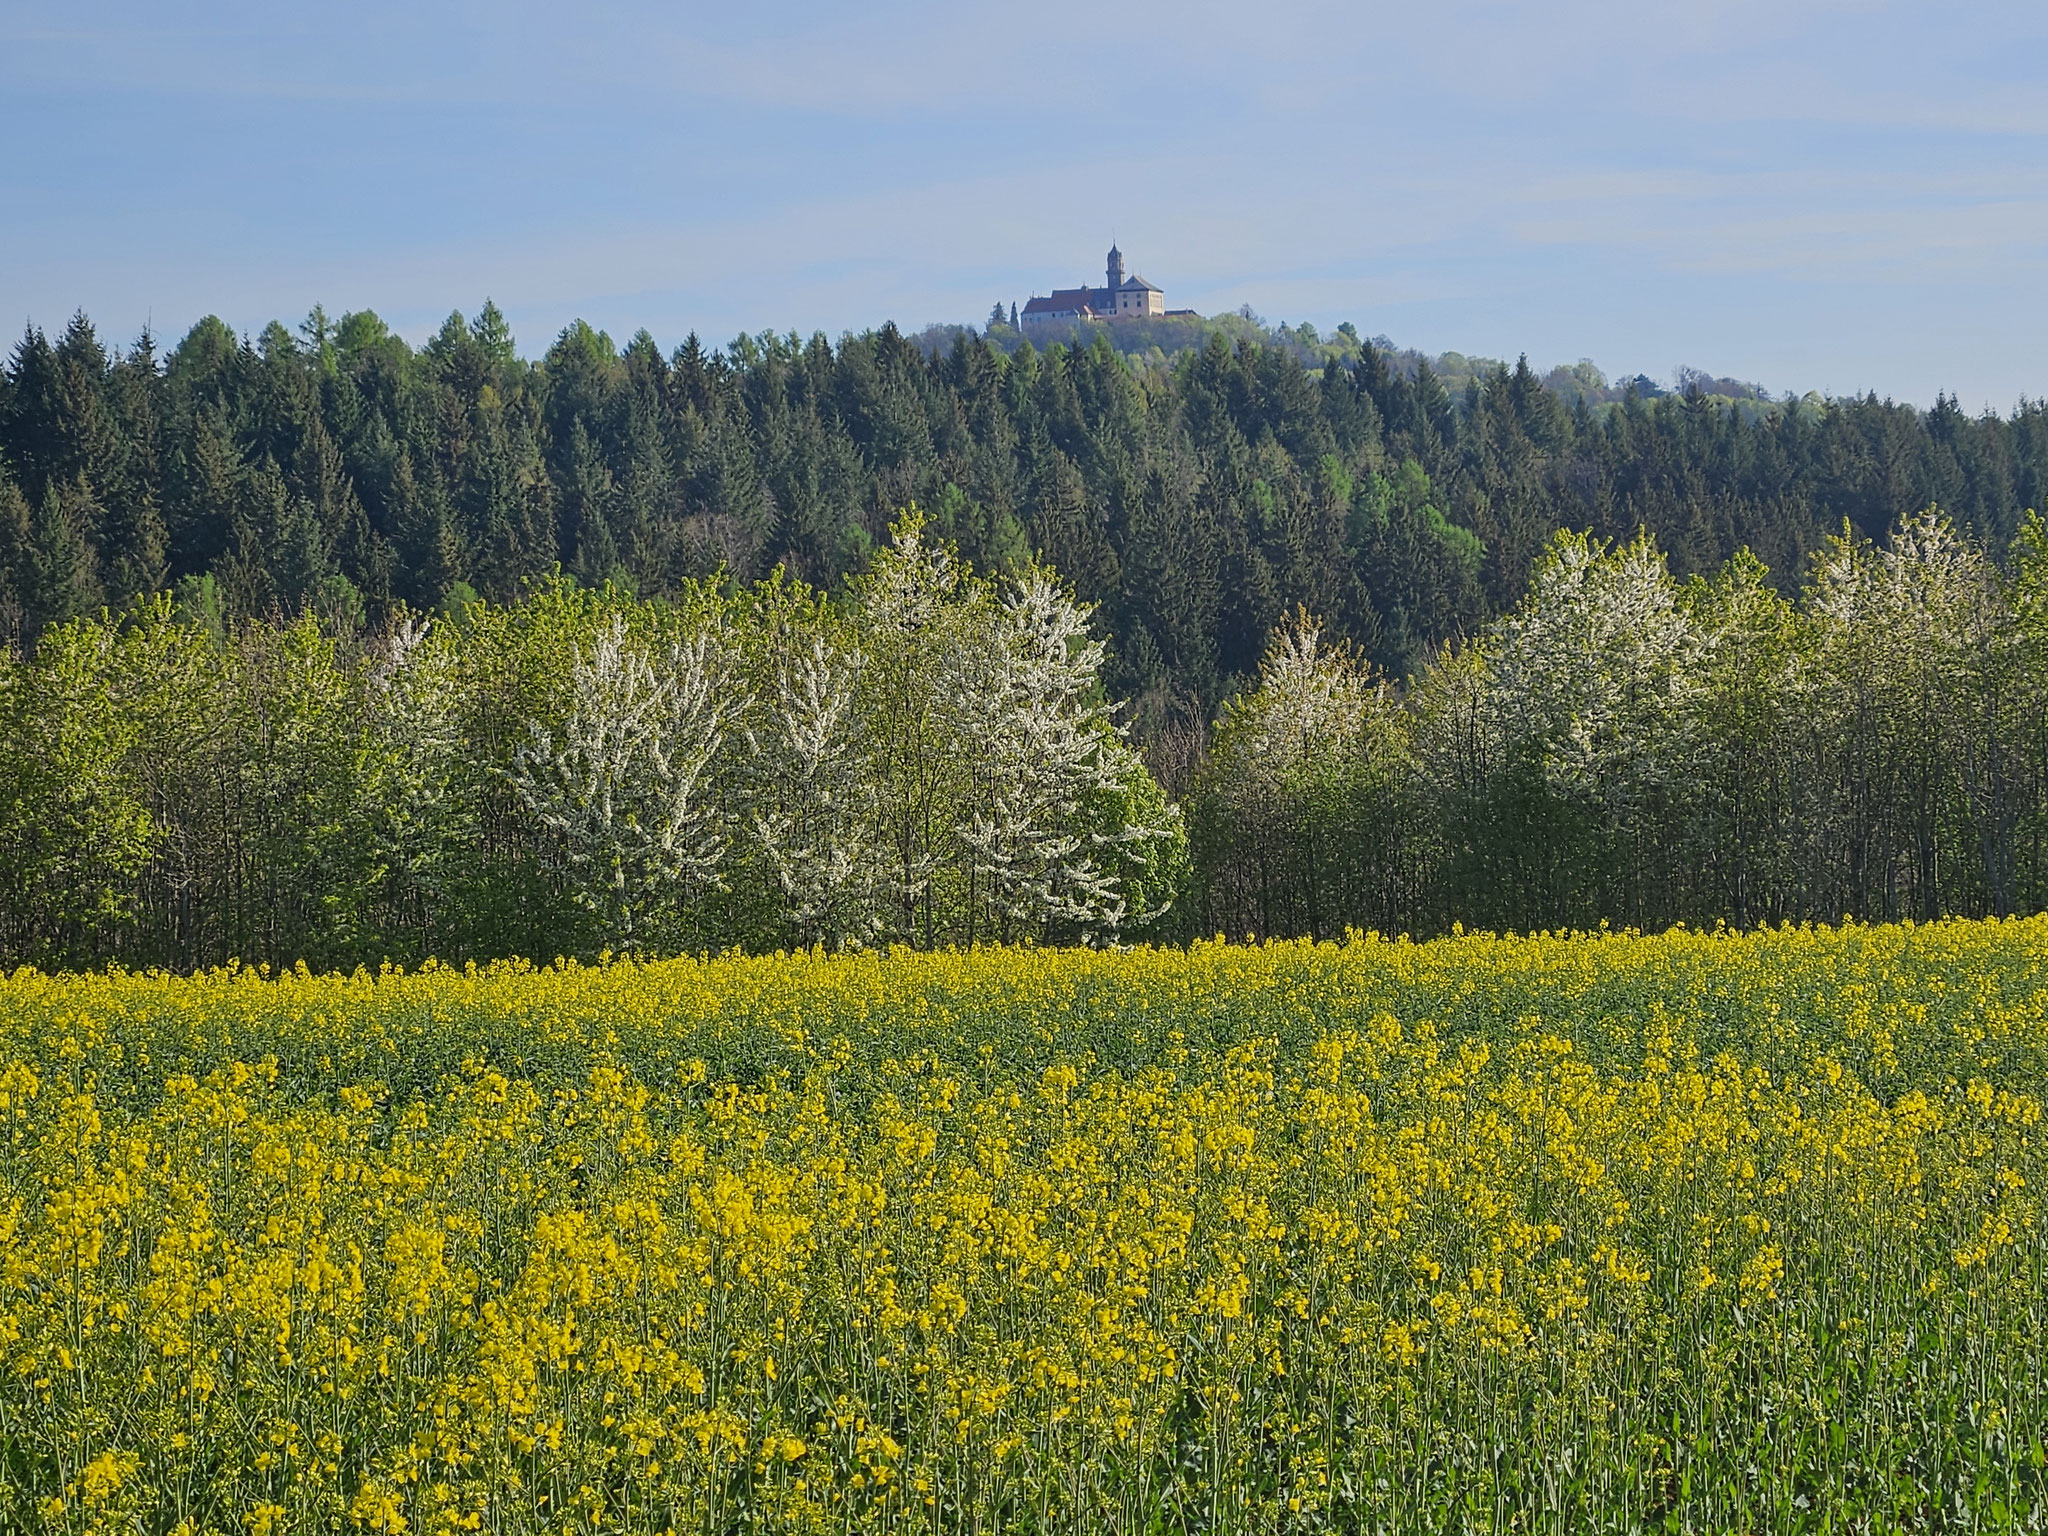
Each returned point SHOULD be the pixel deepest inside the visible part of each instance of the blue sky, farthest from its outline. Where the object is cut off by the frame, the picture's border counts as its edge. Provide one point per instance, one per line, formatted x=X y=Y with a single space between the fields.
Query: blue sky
x=1836 y=196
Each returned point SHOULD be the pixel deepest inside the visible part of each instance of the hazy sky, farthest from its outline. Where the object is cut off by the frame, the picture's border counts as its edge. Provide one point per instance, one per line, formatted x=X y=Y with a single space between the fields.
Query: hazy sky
x=1841 y=196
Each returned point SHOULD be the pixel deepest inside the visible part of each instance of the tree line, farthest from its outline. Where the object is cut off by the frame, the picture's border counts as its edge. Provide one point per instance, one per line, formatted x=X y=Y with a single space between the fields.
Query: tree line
x=1625 y=747
x=928 y=761
x=322 y=647
x=1193 y=503
x=932 y=758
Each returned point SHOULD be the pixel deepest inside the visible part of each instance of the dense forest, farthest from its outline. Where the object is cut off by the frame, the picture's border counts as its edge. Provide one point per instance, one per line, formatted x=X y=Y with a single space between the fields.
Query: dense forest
x=1194 y=502
x=323 y=648
x=930 y=758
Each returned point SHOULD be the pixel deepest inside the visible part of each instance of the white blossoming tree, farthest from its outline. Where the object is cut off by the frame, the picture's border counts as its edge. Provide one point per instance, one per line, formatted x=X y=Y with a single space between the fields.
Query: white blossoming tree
x=629 y=792
x=1009 y=805
x=422 y=821
x=1915 y=666
x=1297 y=809
x=1042 y=753
x=1557 y=748
x=1752 y=721
x=813 y=816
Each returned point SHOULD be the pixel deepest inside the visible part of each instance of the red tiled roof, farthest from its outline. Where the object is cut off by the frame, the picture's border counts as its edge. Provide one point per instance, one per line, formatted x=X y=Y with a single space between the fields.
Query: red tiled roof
x=1062 y=301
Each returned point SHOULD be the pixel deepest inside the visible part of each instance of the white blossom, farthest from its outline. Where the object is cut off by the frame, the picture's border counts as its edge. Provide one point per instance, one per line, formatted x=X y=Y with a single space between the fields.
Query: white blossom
x=627 y=791
x=1594 y=672
x=815 y=823
x=414 y=697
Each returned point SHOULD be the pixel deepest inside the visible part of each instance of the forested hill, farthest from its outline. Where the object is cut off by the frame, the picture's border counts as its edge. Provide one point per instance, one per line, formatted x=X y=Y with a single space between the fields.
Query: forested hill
x=1196 y=503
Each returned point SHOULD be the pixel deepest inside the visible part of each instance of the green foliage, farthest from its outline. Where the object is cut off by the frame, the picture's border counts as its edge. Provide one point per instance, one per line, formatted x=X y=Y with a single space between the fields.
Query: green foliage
x=15 y=546
x=1299 y=811
x=577 y=772
x=1864 y=750
x=74 y=830
x=1621 y=748
x=1144 y=840
x=1422 y=570
x=1195 y=498
x=60 y=581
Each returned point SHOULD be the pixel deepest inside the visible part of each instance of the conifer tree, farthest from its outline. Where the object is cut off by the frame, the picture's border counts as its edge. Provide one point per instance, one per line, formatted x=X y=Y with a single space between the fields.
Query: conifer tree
x=33 y=428
x=430 y=552
x=207 y=486
x=493 y=336
x=642 y=515
x=1067 y=529
x=16 y=551
x=62 y=580
x=133 y=548
x=504 y=502
x=588 y=496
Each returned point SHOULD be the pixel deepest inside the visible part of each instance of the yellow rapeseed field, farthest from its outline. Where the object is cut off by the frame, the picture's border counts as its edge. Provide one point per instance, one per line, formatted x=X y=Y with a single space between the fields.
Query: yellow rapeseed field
x=1699 y=1232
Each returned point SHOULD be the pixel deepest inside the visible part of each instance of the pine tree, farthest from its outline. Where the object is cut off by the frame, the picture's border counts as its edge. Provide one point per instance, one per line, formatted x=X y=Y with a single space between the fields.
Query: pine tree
x=300 y=561
x=206 y=487
x=89 y=438
x=490 y=506
x=1067 y=528
x=458 y=362
x=133 y=549
x=642 y=515
x=493 y=336
x=16 y=551
x=135 y=389
x=349 y=546
x=587 y=500
x=62 y=583
x=731 y=515
x=33 y=428
x=429 y=550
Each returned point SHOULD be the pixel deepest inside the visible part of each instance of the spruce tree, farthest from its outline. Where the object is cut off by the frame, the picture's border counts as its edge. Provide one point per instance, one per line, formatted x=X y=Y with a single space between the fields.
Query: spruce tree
x=493 y=335
x=642 y=515
x=33 y=425
x=300 y=560
x=1067 y=527
x=16 y=534
x=429 y=551
x=133 y=548
x=205 y=486
x=587 y=501
x=62 y=583
x=489 y=506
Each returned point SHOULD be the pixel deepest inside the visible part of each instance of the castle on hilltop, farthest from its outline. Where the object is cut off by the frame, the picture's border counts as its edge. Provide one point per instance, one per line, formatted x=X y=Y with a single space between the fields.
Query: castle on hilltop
x=1119 y=298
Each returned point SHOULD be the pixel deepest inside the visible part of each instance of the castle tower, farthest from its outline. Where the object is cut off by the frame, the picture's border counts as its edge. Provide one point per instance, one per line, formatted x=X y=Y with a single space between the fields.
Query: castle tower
x=1116 y=271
